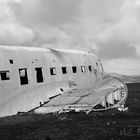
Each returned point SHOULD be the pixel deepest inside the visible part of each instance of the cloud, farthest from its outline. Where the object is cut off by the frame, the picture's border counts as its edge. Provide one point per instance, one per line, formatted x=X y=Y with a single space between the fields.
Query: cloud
x=122 y=66
x=15 y=34
x=46 y=12
x=50 y=20
x=116 y=49
x=109 y=28
x=115 y=27
x=11 y=32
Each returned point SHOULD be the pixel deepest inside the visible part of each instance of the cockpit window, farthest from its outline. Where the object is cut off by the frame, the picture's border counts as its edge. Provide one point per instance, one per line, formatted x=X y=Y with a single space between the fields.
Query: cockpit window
x=5 y=75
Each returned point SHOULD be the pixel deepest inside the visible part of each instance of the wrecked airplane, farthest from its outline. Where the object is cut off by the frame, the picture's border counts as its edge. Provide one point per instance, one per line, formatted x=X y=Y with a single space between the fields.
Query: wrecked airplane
x=52 y=80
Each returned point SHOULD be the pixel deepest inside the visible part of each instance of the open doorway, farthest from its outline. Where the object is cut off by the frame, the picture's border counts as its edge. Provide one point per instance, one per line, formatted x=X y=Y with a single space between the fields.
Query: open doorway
x=23 y=76
x=39 y=75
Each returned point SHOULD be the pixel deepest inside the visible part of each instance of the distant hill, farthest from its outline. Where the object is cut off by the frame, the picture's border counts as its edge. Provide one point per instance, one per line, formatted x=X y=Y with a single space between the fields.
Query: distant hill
x=124 y=78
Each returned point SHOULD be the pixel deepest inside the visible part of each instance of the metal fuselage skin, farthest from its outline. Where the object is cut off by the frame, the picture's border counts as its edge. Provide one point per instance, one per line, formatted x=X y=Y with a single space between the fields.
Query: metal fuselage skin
x=30 y=76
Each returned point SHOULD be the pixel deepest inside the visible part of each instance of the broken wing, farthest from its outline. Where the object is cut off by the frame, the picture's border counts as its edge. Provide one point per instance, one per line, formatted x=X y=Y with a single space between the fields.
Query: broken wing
x=109 y=93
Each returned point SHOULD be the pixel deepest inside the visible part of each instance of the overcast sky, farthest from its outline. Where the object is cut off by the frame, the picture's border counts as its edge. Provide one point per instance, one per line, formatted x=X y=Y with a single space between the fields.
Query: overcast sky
x=108 y=28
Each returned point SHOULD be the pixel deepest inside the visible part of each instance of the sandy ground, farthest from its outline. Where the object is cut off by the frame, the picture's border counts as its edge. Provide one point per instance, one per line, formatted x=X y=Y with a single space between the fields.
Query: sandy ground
x=108 y=125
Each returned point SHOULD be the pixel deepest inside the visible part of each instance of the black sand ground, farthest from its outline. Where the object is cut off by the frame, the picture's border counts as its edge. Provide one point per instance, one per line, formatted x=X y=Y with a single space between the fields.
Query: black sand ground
x=110 y=125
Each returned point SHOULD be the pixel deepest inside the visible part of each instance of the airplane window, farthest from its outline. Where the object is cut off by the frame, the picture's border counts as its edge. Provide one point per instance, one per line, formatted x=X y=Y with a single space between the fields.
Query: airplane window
x=74 y=69
x=90 y=68
x=83 y=69
x=39 y=75
x=64 y=70
x=11 y=61
x=5 y=75
x=53 y=71
x=23 y=76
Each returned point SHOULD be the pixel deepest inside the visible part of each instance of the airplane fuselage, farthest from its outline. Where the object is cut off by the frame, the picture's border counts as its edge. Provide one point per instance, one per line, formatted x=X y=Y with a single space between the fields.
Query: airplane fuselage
x=30 y=76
